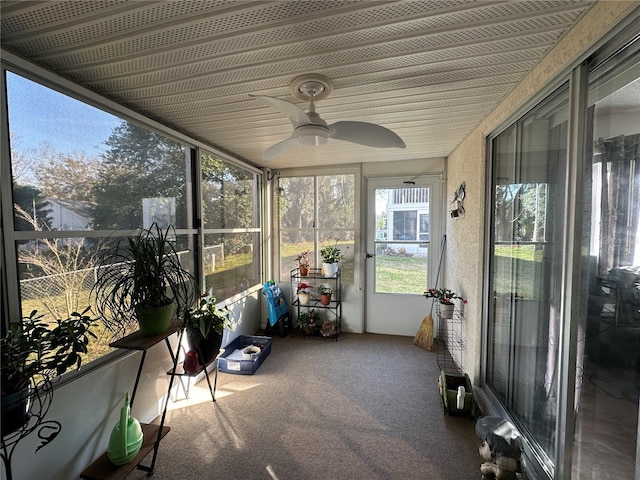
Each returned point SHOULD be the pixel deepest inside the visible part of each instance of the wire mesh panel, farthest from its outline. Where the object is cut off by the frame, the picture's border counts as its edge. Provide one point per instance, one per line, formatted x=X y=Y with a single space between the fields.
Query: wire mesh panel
x=449 y=343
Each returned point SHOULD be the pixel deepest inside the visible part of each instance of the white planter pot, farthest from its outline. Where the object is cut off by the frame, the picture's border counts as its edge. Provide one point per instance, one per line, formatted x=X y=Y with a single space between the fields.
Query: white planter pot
x=446 y=310
x=330 y=269
x=304 y=298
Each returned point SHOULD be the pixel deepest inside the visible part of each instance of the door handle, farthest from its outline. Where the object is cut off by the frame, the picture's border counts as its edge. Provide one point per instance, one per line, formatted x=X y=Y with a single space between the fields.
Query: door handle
x=368 y=255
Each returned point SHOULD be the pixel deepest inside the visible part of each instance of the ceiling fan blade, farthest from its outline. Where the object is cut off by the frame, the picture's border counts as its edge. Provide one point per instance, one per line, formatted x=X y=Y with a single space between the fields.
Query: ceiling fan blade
x=272 y=152
x=364 y=133
x=293 y=112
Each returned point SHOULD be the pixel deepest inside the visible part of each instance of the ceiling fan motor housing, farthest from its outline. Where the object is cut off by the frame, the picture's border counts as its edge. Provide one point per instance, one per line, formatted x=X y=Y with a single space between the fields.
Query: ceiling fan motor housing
x=311 y=135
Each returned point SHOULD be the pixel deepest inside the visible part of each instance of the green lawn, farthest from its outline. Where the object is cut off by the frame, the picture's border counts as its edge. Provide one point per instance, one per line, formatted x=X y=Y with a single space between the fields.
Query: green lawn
x=398 y=274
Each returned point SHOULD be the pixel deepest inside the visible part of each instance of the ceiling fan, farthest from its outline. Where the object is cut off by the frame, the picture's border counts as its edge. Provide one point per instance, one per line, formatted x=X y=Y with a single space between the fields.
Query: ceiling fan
x=311 y=130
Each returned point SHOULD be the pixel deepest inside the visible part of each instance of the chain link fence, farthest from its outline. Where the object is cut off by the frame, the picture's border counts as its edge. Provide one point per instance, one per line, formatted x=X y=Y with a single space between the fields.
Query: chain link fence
x=64 y=293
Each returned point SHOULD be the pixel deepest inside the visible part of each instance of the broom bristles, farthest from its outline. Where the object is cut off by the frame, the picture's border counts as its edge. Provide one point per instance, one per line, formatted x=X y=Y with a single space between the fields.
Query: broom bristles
x=424 y=337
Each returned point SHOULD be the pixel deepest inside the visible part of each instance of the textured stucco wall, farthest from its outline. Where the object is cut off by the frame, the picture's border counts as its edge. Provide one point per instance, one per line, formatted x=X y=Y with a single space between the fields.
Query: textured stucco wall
x=465 y=236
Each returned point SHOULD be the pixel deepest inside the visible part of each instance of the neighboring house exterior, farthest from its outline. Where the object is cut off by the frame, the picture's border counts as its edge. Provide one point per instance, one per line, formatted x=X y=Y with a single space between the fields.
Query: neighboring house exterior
x=68 y=215
x=407 y=220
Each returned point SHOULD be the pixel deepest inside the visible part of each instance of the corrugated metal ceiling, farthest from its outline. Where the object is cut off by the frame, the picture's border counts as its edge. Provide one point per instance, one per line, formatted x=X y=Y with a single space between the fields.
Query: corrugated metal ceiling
x=430 y=70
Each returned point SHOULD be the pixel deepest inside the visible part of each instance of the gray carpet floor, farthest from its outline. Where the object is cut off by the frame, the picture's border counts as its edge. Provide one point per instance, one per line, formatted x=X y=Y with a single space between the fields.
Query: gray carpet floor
x=364 y=407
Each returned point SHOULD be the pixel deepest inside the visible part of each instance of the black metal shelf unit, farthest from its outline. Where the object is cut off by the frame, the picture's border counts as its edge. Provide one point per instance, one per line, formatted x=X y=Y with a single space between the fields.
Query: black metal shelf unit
x=330 y=325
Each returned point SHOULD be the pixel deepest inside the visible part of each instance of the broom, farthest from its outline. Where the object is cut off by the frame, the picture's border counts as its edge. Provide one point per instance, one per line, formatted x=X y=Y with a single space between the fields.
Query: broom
x=424 y=337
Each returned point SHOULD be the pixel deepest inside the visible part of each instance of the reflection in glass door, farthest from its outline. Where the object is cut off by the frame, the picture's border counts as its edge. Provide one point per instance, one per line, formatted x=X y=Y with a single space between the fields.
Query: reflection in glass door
x=607 y=387
x=528 y=227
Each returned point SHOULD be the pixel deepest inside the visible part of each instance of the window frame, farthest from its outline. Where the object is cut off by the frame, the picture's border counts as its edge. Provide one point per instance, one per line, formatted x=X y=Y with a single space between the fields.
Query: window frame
x=10 y=301
x=317 y=172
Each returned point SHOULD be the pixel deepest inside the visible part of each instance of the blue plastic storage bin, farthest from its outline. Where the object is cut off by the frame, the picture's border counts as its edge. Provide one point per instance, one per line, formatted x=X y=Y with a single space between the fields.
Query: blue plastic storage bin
x=231 y=360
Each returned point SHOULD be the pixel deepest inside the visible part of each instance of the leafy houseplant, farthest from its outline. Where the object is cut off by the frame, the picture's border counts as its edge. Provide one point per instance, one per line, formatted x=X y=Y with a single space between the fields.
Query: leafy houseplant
x=303 y=293
x=325 y=294
x=205 y=324
x=304 y=288
x=303 y=262
x=331 y=255
x=308 y=321
x=443 y=295
x=445 y=298
x=34 y=352
x=143 y=280
x=325 y=290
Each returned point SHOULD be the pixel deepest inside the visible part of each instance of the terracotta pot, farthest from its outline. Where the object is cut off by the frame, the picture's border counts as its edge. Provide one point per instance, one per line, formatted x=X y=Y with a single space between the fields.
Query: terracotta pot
x=325 y=298
x=304 y=270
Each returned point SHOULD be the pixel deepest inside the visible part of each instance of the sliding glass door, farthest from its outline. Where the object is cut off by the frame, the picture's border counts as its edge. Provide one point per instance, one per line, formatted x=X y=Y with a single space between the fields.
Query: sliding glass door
x=608 y=382
x=528 y=193
x=563 y=310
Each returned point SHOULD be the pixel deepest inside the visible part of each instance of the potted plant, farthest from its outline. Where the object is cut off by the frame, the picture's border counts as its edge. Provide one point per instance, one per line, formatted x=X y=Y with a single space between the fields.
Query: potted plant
x=143 y=280
x=325 y=294
x=308 y=321
x=303 y=263
x=445 y=298
x=205 y=324
x=331 y=255
x=33 y=353
x=303 y=293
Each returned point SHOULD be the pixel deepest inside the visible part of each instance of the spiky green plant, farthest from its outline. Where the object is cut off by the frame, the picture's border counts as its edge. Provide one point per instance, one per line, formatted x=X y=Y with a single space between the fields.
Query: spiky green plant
x=142 y=271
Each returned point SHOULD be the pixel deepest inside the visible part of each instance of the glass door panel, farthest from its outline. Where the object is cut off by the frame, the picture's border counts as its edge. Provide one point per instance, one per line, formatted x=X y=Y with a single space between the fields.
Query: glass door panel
x=608 y=383
x=401 y=256
x=402 y=240
x=315 y=211
x=528 y=228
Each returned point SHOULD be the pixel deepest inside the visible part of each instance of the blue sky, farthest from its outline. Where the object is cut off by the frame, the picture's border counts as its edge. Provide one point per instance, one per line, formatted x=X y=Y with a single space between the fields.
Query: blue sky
x=38 y=114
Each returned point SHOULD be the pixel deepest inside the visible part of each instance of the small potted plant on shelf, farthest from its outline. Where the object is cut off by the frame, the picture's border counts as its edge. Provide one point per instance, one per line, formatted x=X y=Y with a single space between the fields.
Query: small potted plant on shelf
x=142 y=279
x=308 y=322
x=331 y=255
x=325 y=294
x=205 y=324
x=304 y=293
x=34 y=352
x=303 y=263
x=445 y=298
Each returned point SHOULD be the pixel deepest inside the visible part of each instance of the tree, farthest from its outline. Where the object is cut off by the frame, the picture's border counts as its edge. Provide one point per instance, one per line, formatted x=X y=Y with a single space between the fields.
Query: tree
x=67 y=177
x=21 y=164
x=228 y=199
x=138 y=164
x=336 y=203
x=296 y=206
x=520 y=212
x=227 y=194
x=27 y=198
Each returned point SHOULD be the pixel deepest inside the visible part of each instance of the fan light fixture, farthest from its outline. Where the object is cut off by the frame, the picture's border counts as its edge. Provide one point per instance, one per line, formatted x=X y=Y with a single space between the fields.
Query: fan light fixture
x=311 y=130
